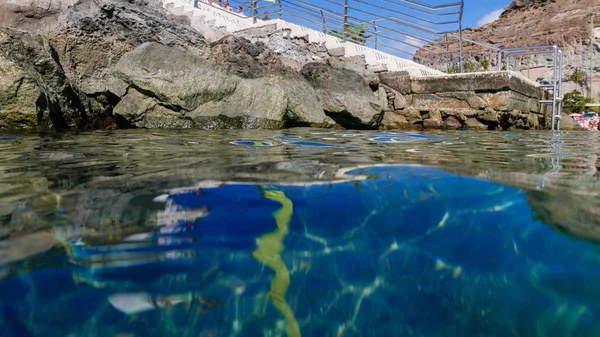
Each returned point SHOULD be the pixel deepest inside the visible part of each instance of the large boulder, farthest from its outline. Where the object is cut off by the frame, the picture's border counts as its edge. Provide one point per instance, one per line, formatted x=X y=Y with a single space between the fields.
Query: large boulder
x=196 y=93
x=35 y=93
x=345 y=95
x=90 y=36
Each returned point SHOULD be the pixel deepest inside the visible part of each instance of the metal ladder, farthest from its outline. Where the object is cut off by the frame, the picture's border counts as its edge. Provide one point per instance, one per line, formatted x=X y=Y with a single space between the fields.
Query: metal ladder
x=556 y=88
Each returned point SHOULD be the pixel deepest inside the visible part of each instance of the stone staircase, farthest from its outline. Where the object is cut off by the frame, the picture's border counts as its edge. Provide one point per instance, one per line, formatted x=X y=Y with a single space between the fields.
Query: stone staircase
x=206 y=15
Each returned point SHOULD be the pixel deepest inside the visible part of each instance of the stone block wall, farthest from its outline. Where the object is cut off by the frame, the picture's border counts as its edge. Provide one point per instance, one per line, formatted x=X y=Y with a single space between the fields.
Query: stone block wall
x=481 y=101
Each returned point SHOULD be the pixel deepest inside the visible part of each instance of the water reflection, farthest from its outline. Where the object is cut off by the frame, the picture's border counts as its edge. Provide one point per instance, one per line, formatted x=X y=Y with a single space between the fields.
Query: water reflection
x=378 y=251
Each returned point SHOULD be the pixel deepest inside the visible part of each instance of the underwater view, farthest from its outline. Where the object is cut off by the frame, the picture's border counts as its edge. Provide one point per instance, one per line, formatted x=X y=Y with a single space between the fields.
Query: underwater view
x=300 y=232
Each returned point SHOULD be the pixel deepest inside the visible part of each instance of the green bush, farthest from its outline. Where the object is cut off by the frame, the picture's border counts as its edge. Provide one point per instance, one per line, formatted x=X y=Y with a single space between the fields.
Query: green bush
x=354 y=33
x=574 y=102
x=485 y=64
x=469 y=67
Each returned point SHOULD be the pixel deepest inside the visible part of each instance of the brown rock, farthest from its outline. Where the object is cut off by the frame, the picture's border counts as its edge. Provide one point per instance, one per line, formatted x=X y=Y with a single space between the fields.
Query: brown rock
x=432 y=124
x=411 y=115
x=392 y=121
x=474 y=124
x=246 y=59
x=488 y=116
x=452 y=123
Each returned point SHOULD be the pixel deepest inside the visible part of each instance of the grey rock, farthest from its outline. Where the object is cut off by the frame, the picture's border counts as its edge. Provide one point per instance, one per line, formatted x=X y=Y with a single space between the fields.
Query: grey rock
x=182 y=85
x=399 y=102
x=196 y=93
x=35 y=93
x=378 y=68
x=383 y=99
x=146 y=112
x=345 y=97
x=568 y=123
x=337 y=51
x=399 y=81
x=91 y=35
x=370 y=78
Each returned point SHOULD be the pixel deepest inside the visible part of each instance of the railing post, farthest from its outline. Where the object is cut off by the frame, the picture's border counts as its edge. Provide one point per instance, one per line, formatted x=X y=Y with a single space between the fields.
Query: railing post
x=499 y=60
x=375 y=31
x=554 y=78
x=559 y=89
x=345 y=33
x=254 y=10
x=324 y=27
x=460 y=37
x=280 y=8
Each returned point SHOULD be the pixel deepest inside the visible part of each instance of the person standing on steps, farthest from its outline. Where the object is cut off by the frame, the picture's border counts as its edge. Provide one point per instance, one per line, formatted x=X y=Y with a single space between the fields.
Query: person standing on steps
x=240 y=11
x=226 y=5
x=216 y=3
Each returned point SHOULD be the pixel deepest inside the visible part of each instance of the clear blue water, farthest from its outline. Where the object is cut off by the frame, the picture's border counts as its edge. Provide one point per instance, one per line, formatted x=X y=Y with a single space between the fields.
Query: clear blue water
x=300 y=233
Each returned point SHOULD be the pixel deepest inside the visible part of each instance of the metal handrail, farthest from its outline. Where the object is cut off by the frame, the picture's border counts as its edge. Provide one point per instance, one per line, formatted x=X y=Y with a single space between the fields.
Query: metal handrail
x=404 y=14
x=325 y=27
x=433 y=31
x=296 y=2
x=435 y=8
x=557 y=77
x=410 y=24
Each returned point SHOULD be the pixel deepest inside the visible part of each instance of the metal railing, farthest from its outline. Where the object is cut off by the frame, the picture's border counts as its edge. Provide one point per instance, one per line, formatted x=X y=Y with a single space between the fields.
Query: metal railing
x=408 y=26
x=557 y=74
x=503 y=61
x=398 y=27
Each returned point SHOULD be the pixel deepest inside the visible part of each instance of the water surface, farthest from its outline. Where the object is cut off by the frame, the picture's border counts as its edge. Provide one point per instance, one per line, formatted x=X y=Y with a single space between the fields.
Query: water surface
x=302 y=232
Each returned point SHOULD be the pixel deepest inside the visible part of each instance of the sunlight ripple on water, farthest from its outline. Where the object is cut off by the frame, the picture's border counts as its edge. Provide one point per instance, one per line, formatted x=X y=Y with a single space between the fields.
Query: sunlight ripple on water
x=300 y=232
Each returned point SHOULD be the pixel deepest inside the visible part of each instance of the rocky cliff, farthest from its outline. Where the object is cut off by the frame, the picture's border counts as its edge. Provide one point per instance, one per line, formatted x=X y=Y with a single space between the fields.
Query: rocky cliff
x=88 y=64
x=565 y=23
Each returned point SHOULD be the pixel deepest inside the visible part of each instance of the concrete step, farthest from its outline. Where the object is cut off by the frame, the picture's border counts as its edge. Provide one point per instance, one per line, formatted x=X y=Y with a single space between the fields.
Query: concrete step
x=257 y=32
x=206 y=15
x=180 y=10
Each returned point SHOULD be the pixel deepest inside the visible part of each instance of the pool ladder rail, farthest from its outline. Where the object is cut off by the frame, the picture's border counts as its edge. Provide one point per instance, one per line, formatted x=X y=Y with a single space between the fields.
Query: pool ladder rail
x=555 y=88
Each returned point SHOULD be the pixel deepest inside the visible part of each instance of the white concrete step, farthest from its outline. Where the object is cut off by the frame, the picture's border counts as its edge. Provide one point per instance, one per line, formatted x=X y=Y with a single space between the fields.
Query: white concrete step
x=219 y=18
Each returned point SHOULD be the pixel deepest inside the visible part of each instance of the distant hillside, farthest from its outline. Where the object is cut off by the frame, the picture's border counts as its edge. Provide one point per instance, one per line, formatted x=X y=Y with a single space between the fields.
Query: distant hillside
x=540 y=22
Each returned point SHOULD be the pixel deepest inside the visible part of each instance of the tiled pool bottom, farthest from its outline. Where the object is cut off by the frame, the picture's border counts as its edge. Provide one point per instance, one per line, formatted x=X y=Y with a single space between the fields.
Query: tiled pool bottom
x=382 y=251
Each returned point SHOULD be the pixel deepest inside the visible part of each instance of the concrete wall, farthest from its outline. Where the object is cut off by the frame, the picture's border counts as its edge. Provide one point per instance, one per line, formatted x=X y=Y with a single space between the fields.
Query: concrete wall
x=483 y=101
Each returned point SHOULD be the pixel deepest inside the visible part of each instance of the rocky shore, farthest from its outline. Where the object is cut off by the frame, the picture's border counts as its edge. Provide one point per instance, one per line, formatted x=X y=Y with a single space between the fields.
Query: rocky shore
x=97 y=64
